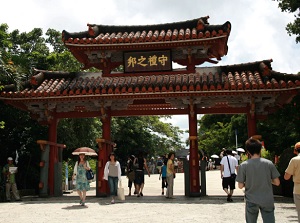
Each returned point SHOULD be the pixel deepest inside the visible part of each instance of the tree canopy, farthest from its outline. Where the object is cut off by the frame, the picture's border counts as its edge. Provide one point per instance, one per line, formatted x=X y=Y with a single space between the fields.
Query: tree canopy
x=20 y=53
x=292 y=6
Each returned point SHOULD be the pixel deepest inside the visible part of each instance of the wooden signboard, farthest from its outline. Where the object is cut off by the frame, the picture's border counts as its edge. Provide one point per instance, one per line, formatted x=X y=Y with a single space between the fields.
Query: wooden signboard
x=147 y=61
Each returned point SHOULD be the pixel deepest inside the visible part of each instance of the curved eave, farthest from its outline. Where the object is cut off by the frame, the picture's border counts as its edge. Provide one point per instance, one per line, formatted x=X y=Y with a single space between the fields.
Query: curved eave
x=147 y=45
x=148 y=95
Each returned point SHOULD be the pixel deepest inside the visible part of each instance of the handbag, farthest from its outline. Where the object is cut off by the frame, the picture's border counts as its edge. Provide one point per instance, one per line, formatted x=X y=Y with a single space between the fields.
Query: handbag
x=232 y=175
x=89 y=174
x=120 y=192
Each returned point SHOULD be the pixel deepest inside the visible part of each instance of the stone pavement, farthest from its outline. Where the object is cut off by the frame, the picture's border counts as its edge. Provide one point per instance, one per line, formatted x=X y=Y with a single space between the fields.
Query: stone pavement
x=152 y=207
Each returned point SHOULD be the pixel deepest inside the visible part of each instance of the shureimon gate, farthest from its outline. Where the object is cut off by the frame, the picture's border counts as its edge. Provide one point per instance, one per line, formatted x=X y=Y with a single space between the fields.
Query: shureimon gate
x=148 y=85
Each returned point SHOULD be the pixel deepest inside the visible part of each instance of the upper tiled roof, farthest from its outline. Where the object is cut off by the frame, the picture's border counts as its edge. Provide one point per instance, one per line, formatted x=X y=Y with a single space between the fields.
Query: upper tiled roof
x=191 y=43
x=257 y=76
x=180 y=31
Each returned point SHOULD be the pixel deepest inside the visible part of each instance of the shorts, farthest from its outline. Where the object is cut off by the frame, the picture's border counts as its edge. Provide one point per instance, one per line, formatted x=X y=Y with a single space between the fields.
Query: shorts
x=164 y=183
x=139 y=177
x=228 y=181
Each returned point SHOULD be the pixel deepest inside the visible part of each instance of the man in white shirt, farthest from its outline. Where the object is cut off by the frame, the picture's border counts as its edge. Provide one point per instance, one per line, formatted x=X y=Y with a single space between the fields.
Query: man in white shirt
x=228 y=166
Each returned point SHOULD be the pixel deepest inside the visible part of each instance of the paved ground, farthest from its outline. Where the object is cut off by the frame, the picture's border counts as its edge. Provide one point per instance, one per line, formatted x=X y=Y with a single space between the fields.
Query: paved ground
x=152 y=207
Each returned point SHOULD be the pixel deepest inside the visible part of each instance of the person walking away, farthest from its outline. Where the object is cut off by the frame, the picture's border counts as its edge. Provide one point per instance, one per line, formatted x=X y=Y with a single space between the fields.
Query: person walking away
x=9 y=173
x=112 y=173
x=176 y=165
x=130 y=173
x=163 y=177
x=79 y=176
x=159 y=164
x=228 y=166
x=152 y=165
x=293 y=169
x=238 y=157
x=170 y=175
x=210 y=165
x=139 y=181
x=257 y=176
x=222 y=153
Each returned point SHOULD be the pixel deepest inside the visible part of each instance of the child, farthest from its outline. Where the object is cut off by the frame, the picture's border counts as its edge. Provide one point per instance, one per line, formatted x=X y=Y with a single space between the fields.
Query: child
x=163 y=177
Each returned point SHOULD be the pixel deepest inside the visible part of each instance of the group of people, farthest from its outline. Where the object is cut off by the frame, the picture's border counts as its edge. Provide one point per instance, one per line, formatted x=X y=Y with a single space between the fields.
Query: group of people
x=135 y=174
x=161 y=161
x=136 y=167
x=257 y=175
x=112 y=173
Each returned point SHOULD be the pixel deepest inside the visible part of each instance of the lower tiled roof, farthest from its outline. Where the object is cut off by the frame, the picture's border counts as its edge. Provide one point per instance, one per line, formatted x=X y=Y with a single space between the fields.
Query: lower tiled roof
x=255 y=76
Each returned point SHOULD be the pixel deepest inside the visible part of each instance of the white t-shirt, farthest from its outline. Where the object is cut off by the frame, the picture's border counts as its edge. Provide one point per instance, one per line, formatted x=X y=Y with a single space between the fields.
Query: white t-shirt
x=233 y=164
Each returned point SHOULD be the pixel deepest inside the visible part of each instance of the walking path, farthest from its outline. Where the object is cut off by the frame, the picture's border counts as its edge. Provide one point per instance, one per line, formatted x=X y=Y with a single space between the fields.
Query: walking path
x=152 y=207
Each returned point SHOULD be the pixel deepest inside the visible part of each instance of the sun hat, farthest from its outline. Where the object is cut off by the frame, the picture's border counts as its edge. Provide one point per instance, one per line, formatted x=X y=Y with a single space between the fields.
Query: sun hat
x=10 y=158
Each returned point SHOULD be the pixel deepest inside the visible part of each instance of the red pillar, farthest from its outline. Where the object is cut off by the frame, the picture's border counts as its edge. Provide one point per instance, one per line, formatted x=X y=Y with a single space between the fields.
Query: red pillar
x=106 y=125
x=194 y=159
x=52 y=134
x=251 y=120
x=105 y=147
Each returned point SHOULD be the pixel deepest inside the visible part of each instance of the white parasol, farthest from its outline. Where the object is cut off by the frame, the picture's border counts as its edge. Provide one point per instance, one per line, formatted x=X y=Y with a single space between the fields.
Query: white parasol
x=85 y=150
x=214 y=156
x=240 y=150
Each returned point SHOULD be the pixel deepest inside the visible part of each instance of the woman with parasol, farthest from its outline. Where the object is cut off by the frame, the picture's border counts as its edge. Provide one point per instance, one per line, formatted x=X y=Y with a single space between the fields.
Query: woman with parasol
x=79 y=174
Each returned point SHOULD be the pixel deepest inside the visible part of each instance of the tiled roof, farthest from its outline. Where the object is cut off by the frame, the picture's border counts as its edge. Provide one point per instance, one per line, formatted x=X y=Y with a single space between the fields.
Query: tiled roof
x=255 y=76
x=180 y=31
x=191 y=43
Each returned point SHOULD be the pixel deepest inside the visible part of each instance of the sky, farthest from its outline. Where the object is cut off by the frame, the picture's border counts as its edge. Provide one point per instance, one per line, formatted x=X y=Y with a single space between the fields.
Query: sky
x=258 y=26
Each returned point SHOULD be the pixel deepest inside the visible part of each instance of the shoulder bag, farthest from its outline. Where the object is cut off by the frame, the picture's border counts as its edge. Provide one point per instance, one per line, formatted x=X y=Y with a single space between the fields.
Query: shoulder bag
x=89 y=173
x=232 y=175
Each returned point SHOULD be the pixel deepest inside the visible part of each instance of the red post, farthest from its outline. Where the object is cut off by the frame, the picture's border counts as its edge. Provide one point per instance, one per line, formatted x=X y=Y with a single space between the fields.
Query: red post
x=194 y=159
x=251 y=124
x=105 y=147
x=52 y=134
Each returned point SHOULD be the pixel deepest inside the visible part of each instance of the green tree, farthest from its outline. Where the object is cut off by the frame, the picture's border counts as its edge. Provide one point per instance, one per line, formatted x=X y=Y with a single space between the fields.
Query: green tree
x=60 y=58
x=281 y=130
x=20 y=135
x=75 y=133
x=292 y=6
x=144 y=133
x=218 y=131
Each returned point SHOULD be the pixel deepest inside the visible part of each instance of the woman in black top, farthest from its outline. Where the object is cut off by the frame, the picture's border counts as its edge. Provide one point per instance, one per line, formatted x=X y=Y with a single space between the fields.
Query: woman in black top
x=130 y=172
x=140 y=163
